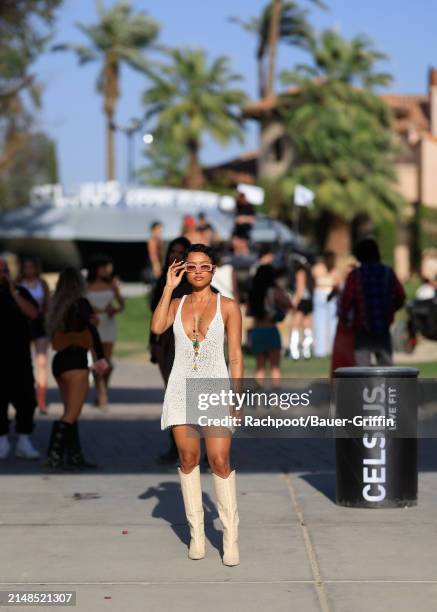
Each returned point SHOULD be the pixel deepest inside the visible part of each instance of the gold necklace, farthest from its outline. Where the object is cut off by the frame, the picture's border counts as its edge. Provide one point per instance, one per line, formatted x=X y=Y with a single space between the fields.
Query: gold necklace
x=195 y=338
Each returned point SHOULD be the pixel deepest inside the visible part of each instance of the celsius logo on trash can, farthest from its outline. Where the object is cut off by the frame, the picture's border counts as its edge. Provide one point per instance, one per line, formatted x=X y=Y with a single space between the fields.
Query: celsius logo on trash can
x=374 y=470
x=376 y=463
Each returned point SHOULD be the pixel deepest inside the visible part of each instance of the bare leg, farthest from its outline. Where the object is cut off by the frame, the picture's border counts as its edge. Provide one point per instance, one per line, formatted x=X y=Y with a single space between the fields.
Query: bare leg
x=275 y=359
x=260 y=371
x=218 y=449
x=188 y=444
x=41 y=347
x=74 y=387
x=102 y=381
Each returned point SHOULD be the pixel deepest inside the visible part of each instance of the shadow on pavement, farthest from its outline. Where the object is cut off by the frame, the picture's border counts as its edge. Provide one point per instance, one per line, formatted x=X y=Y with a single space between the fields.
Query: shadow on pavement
x=169 y=506
x=131 y=445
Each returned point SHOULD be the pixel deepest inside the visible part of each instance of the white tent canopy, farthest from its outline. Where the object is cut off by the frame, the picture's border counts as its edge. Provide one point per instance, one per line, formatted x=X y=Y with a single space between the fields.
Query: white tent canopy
x=103 y=212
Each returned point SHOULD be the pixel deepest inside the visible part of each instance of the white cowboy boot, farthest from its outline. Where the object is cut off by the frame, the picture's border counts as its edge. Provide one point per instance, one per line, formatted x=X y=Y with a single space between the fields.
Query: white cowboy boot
x=192 y=495
x=226 y=494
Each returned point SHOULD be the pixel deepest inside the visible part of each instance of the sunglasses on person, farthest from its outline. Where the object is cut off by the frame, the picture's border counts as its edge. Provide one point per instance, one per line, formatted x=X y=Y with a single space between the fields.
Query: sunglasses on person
x=203 y=267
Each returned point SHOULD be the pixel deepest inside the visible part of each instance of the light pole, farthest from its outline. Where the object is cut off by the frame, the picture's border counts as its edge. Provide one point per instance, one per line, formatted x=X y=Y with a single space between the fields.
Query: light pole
x=130 y=129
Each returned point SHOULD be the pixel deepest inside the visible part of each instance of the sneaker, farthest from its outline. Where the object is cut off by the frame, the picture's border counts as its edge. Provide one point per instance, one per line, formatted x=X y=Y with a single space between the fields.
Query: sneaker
x=5 y=446
x=25 y=448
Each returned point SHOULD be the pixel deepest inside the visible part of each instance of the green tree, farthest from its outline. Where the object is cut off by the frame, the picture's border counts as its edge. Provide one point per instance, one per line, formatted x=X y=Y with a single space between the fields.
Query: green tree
x=119 y=37
x=341 y=130
x=279 y=21
x=191 y=98
x=165 y=162
x=34 y=164
x=25 y=28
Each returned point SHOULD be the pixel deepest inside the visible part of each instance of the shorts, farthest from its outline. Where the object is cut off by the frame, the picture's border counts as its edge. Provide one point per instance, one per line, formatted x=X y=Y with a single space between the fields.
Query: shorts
x=71 y=358
x=305 y=306
x=264 y=339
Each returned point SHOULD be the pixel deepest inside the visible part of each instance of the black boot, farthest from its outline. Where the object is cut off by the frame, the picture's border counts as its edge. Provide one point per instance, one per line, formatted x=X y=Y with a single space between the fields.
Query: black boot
x=75 y=458
x=57 y=442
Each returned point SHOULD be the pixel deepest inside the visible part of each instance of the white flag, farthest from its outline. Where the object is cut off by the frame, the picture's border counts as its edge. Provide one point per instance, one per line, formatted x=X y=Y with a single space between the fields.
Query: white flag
x=254 y=194
x=303 y=196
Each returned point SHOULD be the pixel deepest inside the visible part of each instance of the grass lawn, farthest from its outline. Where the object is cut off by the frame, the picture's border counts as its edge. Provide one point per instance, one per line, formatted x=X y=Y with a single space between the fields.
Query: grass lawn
x=133 y=327
x=133 y=338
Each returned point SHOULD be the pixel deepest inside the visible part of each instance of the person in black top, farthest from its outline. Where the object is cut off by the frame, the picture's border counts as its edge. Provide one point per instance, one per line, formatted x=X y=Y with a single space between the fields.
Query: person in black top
x=244 y=217
x=73 y=333
x=162 y=347
x=17 y=308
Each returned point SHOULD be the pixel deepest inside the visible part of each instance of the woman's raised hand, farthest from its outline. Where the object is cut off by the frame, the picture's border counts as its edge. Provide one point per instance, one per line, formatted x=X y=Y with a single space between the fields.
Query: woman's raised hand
x=175 y=273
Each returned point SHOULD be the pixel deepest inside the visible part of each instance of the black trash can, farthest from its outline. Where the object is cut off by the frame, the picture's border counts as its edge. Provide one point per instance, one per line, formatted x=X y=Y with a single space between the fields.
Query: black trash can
x=376 y=463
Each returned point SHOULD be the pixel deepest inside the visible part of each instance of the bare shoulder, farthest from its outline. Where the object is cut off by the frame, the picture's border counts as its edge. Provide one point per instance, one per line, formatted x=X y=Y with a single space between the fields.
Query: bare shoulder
x=230 y=307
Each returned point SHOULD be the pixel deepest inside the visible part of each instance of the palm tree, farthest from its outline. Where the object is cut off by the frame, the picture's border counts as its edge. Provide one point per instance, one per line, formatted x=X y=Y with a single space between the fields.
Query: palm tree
x=341 y=130
x=192 y=98
x=279 y=22
x=119 y=37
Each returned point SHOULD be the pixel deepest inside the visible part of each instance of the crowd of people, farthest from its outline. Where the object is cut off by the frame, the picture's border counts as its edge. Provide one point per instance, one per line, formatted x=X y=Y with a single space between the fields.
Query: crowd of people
x=327 y=309
x=350 y=315
x=77 y=320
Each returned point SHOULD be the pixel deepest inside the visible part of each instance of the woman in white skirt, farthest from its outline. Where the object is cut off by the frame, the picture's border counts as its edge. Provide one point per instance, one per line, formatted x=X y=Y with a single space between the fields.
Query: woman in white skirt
x=200 y=321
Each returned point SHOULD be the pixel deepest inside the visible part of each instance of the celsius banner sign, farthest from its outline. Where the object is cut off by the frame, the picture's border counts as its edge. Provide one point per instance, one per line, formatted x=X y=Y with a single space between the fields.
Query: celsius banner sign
x=111 y=194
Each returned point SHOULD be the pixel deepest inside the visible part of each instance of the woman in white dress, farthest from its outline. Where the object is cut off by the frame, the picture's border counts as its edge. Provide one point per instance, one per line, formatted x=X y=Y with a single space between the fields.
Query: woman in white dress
x=31 y=279
x=104 y=295
x=200 y=321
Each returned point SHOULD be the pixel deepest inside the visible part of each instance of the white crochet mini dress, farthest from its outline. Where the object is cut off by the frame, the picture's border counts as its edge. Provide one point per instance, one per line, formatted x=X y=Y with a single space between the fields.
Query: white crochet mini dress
x=210 y=364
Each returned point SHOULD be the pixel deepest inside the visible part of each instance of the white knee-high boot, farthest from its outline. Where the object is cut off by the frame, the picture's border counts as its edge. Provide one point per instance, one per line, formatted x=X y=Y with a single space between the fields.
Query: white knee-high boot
x=226 y=494
x=192 y=495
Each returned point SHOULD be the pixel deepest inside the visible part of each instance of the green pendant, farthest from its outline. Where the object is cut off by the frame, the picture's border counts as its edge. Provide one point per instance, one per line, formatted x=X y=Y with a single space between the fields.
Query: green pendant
x=196 y=344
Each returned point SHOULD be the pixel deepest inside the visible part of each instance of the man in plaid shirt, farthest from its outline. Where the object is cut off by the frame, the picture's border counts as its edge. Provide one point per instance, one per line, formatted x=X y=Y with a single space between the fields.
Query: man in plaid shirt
x=371 y=296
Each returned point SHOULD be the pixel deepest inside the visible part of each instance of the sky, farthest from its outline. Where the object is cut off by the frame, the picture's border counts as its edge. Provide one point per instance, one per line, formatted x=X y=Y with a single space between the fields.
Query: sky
x=72 y=110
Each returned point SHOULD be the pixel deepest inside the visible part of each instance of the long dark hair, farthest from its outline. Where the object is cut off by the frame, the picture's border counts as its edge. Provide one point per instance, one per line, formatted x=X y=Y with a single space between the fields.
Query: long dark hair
x=156 y=293
x=96 y=262
x=184 y=242
x=69 y=288
x=262 y=281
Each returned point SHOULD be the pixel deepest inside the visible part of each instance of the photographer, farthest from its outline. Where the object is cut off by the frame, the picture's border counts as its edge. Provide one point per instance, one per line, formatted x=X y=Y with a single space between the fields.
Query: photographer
x=17 y=308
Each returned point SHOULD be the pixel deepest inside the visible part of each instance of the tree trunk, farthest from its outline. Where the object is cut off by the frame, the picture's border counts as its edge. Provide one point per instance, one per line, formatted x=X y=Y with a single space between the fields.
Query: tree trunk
x=275 y=20
x=261 y=78
x=110 y=149
x=194 y=177
x=111 y=94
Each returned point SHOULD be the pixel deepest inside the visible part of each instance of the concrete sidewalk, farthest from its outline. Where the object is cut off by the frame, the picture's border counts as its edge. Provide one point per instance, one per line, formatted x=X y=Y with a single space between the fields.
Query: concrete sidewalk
x=118 y=537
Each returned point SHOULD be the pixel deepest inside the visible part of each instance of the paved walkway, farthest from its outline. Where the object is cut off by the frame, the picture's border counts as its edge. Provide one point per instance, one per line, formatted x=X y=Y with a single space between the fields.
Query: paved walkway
x=118 y=537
